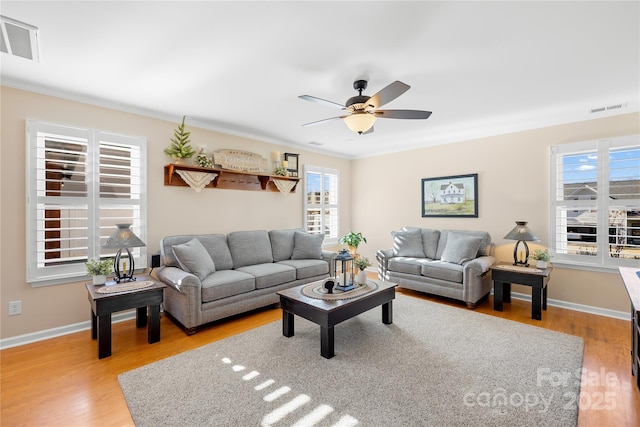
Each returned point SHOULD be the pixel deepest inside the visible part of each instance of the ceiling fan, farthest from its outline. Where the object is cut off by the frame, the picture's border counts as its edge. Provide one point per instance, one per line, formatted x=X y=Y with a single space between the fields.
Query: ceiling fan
x=362 y=111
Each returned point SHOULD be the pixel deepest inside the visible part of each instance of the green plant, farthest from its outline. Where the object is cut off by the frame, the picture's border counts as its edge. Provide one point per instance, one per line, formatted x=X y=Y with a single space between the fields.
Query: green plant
x=280 y=171
x=203 y=160
x=362 y=262
x=353 y=239
x=95 y=267
x=180 y=147
x=541 y=255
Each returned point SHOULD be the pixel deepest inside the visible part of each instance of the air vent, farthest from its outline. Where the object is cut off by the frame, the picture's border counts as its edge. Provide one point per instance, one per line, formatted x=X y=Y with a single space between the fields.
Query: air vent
x=315 y=143
x=19 y=39
x=608 y=108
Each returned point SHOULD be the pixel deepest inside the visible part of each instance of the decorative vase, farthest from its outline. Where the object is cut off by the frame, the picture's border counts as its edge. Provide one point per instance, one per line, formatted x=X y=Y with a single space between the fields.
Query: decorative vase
x=99 y=279
x=361 y=277
x=541 y=264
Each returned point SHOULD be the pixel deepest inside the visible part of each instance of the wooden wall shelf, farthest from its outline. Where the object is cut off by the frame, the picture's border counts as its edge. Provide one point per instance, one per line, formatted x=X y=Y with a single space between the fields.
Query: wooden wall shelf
x=228 y=179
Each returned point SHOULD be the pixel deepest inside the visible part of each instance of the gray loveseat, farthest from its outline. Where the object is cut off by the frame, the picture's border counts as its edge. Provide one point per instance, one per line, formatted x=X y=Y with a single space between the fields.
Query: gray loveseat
x=213 y=276
x=449 y=263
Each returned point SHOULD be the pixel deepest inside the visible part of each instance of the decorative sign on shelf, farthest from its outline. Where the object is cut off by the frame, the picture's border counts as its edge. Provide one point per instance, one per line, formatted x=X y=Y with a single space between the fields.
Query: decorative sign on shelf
x=239 y=160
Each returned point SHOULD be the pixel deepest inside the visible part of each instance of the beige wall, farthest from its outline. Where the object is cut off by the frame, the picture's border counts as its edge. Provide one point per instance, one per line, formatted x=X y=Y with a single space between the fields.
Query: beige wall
x=171 y=210
x=513 y=184
x=377 y=195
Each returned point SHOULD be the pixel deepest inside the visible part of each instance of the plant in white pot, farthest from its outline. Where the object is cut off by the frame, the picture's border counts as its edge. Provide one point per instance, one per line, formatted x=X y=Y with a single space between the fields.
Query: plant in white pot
x=99 y=270
x=542 y=257
x=361 y=263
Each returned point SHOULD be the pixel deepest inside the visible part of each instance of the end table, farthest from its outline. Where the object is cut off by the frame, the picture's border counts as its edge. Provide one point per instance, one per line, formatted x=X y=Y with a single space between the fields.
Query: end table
x=104 y=304
x=504 y=274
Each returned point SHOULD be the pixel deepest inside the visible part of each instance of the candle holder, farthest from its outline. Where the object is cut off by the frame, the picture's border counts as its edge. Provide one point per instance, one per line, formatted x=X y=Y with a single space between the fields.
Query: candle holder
x=345 y=261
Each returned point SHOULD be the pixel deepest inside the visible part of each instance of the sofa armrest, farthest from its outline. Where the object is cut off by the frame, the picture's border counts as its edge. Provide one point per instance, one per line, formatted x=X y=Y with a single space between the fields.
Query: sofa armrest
x=178 y=279
x=329 y=256
x=479 y=265
x=383 y=256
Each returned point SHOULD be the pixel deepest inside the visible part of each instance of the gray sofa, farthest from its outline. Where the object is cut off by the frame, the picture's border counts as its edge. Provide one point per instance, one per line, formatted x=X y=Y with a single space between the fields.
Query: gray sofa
x=449 y=263
x=213 y=276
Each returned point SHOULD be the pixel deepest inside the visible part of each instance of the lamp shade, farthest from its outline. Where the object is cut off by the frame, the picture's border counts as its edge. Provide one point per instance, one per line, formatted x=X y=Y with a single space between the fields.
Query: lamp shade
x=521 y=232
x=360 y=122
x=123 y=237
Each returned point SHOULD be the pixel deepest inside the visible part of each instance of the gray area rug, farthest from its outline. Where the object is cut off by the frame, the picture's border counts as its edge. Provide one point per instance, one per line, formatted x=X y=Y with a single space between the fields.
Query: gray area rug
x=434 y=366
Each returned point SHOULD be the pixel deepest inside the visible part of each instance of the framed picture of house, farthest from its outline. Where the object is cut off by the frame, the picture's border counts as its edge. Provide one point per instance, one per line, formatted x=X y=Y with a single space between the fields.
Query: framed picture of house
x=292 y=163
x=450 y=196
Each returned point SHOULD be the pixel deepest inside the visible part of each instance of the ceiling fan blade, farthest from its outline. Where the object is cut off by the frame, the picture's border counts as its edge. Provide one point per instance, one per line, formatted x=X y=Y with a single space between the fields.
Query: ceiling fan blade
x=321 y=101
x=324 y=120
x=402 y=114
x=388 y=94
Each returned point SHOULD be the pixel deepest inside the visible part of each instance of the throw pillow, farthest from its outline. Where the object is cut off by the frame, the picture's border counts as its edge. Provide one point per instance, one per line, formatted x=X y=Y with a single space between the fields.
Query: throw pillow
x=408 y=243
x=460 y=248
x=194 y=258
x=307 y=246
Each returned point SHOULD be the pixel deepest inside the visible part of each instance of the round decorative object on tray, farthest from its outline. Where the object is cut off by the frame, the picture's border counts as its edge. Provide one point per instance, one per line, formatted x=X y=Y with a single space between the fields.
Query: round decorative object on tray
x=317 y=290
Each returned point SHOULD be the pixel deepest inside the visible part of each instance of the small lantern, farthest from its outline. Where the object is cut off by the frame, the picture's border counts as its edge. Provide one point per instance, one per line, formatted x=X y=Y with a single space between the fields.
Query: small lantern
x=347 y=272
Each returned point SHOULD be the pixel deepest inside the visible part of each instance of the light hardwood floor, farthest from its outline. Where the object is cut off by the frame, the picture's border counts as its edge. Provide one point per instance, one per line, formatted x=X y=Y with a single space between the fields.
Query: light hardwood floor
x=61 y=382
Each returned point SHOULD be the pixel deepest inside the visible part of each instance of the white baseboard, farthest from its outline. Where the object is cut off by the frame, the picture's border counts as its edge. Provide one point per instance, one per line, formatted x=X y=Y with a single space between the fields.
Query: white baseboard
x=622 y=315
x=62 y=330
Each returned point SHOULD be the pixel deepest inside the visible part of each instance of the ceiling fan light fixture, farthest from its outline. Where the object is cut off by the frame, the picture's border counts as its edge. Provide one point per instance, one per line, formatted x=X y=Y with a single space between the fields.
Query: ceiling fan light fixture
x=360 y=122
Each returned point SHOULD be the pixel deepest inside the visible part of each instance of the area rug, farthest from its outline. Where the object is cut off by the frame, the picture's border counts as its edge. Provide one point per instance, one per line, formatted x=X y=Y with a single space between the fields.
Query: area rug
x=436 y=365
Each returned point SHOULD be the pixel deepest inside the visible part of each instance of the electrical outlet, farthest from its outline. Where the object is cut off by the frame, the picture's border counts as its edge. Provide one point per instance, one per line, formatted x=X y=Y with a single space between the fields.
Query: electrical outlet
x=15 y=307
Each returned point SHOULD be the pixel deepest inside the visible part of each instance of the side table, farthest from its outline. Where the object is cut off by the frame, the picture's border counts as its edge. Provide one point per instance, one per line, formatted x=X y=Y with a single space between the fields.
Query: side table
x=104 y=304
x=504 y=274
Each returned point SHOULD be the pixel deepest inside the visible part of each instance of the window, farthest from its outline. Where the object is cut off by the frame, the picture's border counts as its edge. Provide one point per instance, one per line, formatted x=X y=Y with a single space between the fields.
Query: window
x=595 y=202
x=321 y=202
x=81 y=183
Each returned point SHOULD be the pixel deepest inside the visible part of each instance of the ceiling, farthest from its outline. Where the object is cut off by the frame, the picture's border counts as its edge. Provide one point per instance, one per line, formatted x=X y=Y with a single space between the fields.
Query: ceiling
x=482 y=68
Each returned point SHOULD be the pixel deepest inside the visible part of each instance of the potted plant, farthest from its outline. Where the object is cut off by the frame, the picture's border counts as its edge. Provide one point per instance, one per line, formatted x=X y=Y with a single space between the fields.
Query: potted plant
x=353 y=240
x=99 y=270
x=180 y=147
x=362 y=263
x=542 y=256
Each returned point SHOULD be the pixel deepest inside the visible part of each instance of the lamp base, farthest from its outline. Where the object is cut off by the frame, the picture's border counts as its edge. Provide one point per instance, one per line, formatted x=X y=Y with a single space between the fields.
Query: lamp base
x=516 y=258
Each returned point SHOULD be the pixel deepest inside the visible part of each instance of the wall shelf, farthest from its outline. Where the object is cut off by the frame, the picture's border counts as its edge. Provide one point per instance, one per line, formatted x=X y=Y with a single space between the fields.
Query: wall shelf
x=228 y=179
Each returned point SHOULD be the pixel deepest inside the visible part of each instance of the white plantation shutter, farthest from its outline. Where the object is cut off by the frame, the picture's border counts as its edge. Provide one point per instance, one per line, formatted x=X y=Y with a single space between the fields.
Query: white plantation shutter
x=595 y=206
x=81 y=183
x=321 y=202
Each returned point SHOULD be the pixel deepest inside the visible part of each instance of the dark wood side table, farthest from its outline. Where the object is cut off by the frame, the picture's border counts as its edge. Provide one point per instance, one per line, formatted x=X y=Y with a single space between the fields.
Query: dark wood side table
x=631 y=279
x=504 y=274
x=104 y=304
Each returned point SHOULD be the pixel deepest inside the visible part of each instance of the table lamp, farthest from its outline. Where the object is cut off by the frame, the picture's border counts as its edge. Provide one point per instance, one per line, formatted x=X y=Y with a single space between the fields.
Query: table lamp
x=522 y=234
x=123 y=238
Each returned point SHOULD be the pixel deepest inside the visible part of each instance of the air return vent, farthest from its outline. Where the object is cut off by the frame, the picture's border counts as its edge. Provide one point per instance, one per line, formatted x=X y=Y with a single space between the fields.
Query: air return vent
x=607 y=108
x=19 y=39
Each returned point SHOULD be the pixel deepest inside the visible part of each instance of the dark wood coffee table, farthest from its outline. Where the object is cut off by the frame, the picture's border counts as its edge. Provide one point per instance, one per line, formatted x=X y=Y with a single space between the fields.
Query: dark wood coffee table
x=328 y=313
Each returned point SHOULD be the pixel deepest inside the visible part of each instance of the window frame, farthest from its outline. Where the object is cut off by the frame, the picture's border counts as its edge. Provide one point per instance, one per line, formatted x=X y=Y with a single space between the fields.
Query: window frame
x=602 y=204
x=38 y=274
x=322 y=171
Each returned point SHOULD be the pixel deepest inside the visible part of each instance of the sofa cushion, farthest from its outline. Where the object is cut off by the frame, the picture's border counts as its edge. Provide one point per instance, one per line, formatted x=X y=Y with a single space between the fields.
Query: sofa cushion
x=249 y=247
x=226 y=283
x=443 y=270
x=270 y=274
x=407 y=265
x=430 y=239
x=306 y=268
x=408 y=243
x=194 y=258
x=216 y=245
x=282 y=242
x=460 y=248
x=307 y=246
x=485 y=245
